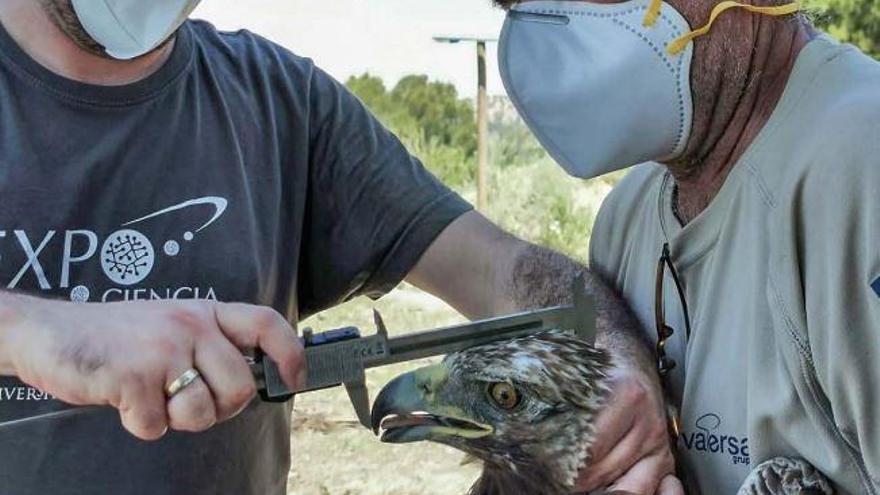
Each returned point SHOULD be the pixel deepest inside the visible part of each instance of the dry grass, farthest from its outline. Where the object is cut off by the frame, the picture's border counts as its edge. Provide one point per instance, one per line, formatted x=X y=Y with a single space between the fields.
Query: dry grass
x=333 y=454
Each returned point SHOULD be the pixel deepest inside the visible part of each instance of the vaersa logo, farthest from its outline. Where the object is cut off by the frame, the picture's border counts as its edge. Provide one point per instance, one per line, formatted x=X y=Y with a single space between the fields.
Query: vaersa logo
x=126 y=257
x=708 y=439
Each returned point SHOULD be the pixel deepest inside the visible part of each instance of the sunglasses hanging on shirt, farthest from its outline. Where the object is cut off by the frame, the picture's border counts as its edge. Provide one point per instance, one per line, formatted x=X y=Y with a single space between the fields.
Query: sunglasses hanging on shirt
x=665 y=364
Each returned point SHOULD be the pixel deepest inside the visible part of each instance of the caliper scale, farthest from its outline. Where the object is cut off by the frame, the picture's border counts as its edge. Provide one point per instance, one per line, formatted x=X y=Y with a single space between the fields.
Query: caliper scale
x=341 y=357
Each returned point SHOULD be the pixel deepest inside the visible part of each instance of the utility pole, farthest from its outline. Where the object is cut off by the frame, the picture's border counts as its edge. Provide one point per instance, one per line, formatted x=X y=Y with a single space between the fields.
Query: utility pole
x=482 y=115
x=482 y=129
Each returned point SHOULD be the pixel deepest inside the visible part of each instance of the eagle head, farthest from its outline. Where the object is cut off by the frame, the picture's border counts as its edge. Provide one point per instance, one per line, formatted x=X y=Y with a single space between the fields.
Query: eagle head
x=525 y=407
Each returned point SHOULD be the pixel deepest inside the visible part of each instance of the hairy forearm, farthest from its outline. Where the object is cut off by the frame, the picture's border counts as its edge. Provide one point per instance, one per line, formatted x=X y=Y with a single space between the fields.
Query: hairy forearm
x=540 y=277
x=482 y=271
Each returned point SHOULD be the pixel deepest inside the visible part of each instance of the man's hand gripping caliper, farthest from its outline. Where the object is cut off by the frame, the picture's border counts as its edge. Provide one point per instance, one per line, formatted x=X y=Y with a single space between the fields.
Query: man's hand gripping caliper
x=342 y=356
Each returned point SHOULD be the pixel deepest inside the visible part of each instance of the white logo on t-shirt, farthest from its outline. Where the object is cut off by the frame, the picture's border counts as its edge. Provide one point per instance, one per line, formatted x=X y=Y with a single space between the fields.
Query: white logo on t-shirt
x=127 y=256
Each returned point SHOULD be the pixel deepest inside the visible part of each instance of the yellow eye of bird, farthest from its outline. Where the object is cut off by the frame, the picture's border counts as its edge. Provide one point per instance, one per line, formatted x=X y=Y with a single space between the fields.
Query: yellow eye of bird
x=505 y=395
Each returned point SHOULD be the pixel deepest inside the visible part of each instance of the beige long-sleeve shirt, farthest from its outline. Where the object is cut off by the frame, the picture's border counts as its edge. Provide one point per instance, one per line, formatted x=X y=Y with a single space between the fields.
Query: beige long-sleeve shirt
x=782 y=279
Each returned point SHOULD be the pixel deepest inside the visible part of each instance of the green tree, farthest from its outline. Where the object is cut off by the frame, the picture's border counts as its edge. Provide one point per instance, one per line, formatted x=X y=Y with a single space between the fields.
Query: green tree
x=853 y=21
x=511 y=143
x=438 y=111
x=419 y=108
x=429 y=117
x=371 y=90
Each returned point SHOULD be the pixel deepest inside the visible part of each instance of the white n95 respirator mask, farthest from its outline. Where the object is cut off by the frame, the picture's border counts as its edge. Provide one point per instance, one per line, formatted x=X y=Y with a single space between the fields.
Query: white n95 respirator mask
x=604 y=86
x=131 y=28
x=595 y=85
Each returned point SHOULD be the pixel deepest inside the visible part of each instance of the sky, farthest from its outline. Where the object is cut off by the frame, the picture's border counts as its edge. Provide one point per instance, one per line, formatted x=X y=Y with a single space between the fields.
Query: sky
x=388 y=38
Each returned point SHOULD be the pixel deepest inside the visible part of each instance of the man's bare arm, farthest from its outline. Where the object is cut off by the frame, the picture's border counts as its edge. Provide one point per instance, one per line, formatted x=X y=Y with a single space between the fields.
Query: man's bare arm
x=482 y=271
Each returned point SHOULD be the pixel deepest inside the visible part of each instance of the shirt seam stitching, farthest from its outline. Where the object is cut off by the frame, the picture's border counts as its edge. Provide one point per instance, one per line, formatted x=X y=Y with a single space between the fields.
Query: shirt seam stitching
x=661 y=213
x=763 y=190
x=34 y=81
x=808 y=373
x=777 y=121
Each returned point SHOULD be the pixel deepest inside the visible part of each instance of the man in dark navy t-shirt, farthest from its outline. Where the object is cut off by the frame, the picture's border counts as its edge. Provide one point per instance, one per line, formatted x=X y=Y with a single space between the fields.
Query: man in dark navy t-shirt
x=210 y=190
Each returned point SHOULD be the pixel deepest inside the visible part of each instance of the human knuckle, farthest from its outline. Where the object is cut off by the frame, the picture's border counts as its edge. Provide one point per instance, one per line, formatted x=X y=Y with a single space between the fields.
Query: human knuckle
x=151 y=365
x=269 y=320
x=633 y=392
x=658 y=432
x=155 y=348
x=188 y=317
x=293 y=358
x=262 y=316
x=133 y=377
x=183 y=314
x=297 y=354
x=242 y=395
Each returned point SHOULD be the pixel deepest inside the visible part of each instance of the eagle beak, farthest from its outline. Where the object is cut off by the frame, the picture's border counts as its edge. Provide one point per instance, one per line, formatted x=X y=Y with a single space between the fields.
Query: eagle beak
x=409 y=410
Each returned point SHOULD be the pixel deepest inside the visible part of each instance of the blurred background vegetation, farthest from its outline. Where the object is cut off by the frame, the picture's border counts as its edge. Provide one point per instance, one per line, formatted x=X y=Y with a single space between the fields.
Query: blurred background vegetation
x=853 y=21
x=529 y=196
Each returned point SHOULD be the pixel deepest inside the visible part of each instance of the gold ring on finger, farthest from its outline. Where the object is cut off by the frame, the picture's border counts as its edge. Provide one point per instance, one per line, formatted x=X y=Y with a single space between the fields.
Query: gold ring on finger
x=185 y=379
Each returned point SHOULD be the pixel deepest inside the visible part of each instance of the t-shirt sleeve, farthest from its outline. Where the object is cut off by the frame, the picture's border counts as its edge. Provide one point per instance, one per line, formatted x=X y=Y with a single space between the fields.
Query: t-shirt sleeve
x=372 y=209
x=839 y=256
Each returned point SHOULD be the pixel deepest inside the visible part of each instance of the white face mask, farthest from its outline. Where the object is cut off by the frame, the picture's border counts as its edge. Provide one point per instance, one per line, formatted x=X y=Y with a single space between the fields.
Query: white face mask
x=131 y=28
x=595 y=85
x=604 y=86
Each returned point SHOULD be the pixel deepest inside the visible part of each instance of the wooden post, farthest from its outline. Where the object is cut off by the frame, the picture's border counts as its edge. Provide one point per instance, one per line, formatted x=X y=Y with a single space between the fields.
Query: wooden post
x=482 y=129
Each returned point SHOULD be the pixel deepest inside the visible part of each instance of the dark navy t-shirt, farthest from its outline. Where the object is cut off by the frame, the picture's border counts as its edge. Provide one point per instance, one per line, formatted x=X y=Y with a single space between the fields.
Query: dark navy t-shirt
x=236 y=172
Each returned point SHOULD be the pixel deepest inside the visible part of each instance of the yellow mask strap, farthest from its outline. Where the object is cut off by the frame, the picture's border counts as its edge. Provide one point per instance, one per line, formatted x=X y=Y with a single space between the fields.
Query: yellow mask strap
x=653 y=13
x=679 y=44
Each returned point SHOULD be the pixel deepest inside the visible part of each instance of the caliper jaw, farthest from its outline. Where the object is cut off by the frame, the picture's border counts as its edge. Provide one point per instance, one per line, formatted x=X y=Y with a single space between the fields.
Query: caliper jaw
x=357 y=389
x=333 y=358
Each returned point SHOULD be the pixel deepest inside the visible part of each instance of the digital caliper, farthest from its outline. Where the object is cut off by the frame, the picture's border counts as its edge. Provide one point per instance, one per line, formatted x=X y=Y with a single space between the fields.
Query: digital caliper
x=342 y=356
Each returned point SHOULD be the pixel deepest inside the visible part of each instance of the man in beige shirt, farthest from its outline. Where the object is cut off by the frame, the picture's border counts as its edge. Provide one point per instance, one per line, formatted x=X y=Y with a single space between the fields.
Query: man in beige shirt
x=766 y=213
x=159 y=165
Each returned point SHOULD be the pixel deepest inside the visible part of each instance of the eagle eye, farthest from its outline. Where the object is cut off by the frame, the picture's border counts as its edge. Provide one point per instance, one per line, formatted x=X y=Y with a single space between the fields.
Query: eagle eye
x=505 y=395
